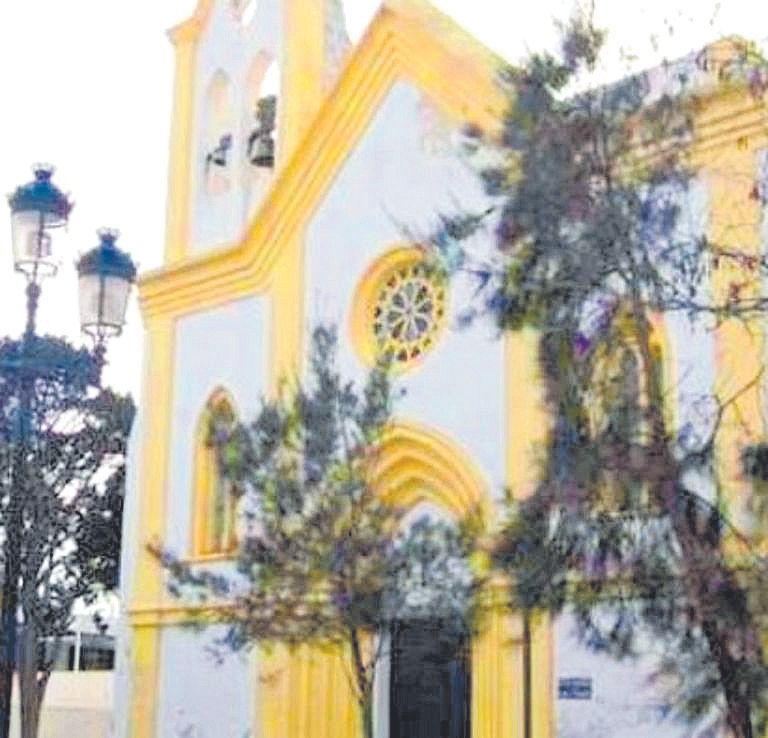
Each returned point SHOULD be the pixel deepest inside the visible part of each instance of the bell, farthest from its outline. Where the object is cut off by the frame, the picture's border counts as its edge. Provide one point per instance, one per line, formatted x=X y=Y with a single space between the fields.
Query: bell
x=262 y=151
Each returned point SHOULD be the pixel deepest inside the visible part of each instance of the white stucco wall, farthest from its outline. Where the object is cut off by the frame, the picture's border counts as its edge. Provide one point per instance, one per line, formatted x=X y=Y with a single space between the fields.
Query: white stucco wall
x=222 y=348
x=395 y=182
x=200 y=696
x=624 y=704
x=225 y=347
x=692 y=345
x=76 y=704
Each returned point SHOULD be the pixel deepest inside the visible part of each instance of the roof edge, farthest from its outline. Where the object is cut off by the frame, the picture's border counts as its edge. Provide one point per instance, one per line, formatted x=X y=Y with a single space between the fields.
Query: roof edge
x=425 y=12
x=191 y=28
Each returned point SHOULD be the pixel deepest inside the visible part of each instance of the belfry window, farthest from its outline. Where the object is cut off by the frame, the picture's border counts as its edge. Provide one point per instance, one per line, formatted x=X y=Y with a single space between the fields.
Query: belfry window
x=261 y=122
x=218 y=141
x=261 y=141
x=215 y=504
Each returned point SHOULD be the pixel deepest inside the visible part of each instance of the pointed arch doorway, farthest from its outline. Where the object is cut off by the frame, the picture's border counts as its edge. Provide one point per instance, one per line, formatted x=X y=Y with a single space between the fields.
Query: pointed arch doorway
x=425 y=686
x=430 y=680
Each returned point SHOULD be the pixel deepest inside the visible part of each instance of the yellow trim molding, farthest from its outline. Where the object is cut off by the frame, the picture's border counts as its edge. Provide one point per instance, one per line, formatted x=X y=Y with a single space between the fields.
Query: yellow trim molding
x=304 y=67
x=397 y=46
x=177 y=231
x=193 y=27
x=152 y=489
x=735 y=222
x=418 y=464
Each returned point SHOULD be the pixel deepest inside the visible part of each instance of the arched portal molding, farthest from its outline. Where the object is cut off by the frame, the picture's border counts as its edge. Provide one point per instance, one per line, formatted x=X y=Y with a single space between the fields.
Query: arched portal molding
x=419 y=464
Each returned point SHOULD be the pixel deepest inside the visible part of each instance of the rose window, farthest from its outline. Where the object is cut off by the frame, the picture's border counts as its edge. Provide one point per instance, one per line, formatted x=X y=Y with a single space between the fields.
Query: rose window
x=409 y=311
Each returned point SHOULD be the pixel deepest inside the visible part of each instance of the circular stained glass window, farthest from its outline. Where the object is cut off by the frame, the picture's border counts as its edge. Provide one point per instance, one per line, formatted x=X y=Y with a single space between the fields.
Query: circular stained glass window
x=409 y=310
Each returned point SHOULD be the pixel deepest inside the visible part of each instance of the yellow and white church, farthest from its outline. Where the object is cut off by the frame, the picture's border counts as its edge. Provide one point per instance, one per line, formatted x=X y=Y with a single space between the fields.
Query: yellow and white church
x=272 y=232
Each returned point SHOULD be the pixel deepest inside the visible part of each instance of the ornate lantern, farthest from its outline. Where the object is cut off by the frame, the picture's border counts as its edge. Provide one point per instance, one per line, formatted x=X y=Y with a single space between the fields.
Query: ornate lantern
x=106 y=277
x=37 y=209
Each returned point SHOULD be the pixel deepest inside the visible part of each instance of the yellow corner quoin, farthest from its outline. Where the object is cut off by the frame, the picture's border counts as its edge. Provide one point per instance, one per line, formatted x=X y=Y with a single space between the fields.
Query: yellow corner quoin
x=147 y=590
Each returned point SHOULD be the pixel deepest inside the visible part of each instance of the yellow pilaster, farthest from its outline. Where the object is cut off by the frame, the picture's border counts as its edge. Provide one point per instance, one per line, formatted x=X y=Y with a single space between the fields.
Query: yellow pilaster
x=735 y=218
x=273 y=692
x=303 y=63
x=181 y=153
x=542 y=677
x=527 y=422
x=148 y=584
x=497 y=668
x=306 y=692
x=527 y=428
x=287 y=301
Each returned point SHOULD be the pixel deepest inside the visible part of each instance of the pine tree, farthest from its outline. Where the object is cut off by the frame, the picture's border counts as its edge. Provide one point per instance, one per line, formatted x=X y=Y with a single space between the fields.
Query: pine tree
x=628 y=527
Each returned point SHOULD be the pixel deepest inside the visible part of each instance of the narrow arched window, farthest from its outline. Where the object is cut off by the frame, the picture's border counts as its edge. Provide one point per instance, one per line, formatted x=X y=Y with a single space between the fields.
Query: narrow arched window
x=620 y=395
x=261 y=123
x=218 y=140
x=215 y=503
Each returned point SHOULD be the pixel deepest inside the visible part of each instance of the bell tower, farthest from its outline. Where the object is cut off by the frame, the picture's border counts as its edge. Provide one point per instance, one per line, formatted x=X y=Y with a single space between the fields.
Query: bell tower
x=250 y=76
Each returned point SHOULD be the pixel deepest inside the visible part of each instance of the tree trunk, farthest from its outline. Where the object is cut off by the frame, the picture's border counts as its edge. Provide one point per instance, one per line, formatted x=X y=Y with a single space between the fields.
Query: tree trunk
x=7 y=655
x=9 y=599
x=366 y=715
x=29 y=685
x=698 y=548
x=363 y=684
x=738 y=709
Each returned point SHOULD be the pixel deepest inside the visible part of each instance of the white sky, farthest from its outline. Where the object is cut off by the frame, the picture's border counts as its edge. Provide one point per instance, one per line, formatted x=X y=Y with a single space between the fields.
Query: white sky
x=86 y=85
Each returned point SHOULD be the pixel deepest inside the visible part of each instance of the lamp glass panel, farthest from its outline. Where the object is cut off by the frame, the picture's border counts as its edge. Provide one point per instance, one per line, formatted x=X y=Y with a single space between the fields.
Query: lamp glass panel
x=116 y=292
x=90 y=290
x=103 y=302
x=32 y=244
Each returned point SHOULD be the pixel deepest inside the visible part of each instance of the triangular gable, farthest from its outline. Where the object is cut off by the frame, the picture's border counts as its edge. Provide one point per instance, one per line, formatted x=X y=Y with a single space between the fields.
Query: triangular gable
x=407 y=39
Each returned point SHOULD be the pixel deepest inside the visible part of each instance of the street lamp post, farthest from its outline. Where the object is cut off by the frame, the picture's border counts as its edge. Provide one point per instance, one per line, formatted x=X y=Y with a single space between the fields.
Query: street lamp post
x=106 y=275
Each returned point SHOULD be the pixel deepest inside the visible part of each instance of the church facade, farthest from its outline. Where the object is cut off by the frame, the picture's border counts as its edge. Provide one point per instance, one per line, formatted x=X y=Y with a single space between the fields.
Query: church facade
x=302 y=173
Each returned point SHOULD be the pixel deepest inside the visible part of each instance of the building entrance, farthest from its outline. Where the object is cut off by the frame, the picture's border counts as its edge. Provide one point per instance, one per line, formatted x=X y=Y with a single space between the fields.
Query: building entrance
x=430 y=692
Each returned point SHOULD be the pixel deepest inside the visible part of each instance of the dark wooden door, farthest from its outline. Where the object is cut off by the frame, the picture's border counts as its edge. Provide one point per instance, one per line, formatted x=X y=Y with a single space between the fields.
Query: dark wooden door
x=429 y=681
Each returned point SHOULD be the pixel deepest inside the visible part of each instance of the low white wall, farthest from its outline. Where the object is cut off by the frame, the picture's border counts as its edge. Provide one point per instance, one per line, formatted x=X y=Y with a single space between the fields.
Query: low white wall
x=77 y=705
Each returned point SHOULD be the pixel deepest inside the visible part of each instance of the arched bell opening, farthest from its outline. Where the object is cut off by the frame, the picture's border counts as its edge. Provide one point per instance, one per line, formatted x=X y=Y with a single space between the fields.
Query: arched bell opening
x=262 y=113
x=218 y=135
x=261 y=126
